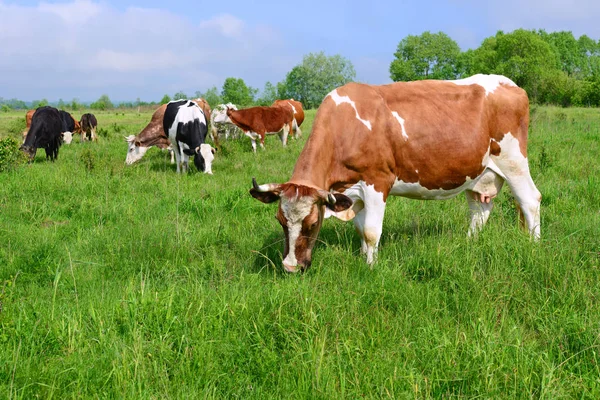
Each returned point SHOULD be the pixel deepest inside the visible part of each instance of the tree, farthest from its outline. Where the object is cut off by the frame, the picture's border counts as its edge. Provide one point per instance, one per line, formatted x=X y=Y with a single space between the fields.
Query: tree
x=39 y=103
x=180 y=96
x=428 y=56
x=317 y=75
x=572 y=60
x=75 y=105
x=103 y=103
x=212 y=96
x=235 y=91
x=165 y=99
x=61 y=104
x=268 y=95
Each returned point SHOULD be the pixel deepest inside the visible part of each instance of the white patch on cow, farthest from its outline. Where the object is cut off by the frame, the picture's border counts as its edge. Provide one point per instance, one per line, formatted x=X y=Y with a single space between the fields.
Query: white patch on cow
x=293 y=108
x=368 y=209
x=345 y=99
x=515 y=167
x=67 y=137
x=489 y=82
x=207 y=152
x=414 y=190
x=401 y=122
x=134 y=153
x=294 y=210
x=416 y=171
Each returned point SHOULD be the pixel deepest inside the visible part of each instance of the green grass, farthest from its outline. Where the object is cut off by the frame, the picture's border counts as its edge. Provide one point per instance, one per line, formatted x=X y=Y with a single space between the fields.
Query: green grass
x=132 y=282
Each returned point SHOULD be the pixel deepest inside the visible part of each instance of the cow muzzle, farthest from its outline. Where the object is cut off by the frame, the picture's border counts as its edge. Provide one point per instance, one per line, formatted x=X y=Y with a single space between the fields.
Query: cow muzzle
x=292 y=269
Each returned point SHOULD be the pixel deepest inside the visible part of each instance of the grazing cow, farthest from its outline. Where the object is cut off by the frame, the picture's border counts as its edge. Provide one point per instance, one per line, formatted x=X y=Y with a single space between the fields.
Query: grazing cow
x=88 y=125
x=422 y=140
x=45 y=132
x=257 y=122
x=296 y=108
x=154 y=135
x=221 y=125
x=69 y=126
x=186 y=126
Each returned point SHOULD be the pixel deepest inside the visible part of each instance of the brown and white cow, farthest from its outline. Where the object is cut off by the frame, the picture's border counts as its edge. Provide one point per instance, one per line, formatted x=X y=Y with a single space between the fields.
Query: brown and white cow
x=421 y=140
x=154 y=135
x=257 y=122
x=296 y=108
x=88 y=125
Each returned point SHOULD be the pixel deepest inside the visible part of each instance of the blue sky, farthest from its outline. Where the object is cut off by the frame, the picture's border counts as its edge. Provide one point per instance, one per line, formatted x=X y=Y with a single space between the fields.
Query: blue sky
x=129 y=49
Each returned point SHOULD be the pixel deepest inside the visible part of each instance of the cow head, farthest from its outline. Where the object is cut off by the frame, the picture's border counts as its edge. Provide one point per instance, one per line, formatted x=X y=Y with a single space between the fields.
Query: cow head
x=219 y=114
x=134 y=150
x=29 y=151
x=67 y=137
x=203 y=157
x=300 y=214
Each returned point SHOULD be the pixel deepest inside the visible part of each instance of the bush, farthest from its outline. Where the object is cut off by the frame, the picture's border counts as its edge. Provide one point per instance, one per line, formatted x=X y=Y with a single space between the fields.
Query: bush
x=17 y=126
x=10 y=155
x=88 y=159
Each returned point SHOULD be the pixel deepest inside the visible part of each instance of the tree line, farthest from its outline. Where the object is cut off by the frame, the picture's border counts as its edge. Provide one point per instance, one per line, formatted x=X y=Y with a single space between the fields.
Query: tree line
x=554 y=68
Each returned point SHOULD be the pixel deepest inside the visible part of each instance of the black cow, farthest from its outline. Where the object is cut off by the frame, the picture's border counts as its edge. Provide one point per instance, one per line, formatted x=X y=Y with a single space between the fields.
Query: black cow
x=88 y=124
x=45 y=131
x=185 y=125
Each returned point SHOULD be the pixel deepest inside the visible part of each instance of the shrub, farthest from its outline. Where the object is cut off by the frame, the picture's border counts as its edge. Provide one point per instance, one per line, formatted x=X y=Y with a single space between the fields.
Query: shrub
x=88 y=159
x=10 y=155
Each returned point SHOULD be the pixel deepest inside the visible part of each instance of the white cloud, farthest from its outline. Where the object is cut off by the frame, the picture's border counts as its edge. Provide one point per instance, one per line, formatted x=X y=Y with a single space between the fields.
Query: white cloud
x=226 y=24
x=84 y=48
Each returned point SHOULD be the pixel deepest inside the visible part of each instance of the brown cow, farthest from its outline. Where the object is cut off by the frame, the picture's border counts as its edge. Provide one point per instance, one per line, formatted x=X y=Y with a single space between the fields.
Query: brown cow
x=296 y=108
x=88 y=125
x=421 y=140
x=257 y=122
x=153 y=134
x=28 y=117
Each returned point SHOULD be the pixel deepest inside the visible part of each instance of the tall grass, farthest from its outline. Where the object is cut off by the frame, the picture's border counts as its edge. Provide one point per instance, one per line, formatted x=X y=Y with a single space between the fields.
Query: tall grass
x=133 y=282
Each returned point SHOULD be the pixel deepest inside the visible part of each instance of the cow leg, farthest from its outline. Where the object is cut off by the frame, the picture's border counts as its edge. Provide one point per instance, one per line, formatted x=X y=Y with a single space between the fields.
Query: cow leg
x=480 y=207
x=297 y=131
x=94 y=136
x=171 y=153
x=252 y=137
x=283 y=135
x=516 y=169
x=369 y=222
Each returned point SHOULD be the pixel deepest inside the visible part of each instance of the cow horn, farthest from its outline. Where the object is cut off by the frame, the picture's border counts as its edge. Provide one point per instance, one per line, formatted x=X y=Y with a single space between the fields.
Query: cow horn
x=269 y=187
x=198 y=150
x=328 y=197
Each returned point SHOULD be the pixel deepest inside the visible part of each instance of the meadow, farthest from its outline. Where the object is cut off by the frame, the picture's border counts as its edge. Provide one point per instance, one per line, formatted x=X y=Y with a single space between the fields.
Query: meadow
x=132 y=282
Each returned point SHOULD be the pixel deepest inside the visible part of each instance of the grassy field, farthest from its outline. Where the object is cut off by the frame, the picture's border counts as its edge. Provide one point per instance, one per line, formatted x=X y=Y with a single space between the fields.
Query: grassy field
x=132 y=282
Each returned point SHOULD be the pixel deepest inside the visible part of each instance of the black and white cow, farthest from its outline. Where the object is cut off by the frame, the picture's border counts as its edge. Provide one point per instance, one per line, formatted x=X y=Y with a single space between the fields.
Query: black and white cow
x=185 y=125
x=69 y=126
x=45 y=132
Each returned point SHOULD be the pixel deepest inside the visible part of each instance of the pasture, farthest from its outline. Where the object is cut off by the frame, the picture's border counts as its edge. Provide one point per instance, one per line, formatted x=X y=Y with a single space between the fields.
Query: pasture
x=132 y=282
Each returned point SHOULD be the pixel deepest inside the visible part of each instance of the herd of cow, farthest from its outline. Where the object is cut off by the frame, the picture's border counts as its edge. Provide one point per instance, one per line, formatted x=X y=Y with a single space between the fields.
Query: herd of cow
x=428 y=140
x=48 y=128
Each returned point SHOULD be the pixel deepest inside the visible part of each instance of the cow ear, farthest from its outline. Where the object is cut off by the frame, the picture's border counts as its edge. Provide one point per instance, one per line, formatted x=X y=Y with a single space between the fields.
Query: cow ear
x=337 y=202
x=137 y=143
x=265 y=197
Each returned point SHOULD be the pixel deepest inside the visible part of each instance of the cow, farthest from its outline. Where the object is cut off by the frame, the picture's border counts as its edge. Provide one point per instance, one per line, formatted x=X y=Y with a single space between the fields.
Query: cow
x=221 y=125
x=153 y=134
x=28 y=117
x=257 y=122
x=88 y=124
x=69 y=126
x=45 y=132
x=428 y=140
x=296 y=108
x=186 y=126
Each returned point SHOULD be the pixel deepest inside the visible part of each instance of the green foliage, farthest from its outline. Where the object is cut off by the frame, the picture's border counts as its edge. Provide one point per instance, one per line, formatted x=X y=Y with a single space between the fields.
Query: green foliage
x=165 y=99
x=212 y=96
x=268 y=95
x=5 y=108
x=316 y=76
x=88 y=159
x=17 y=126
x=428 y=56
x=179 y=96
x=103 y=103
x=237 y=92
x=10 y=155
x=39 y=103
x=76 y=105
